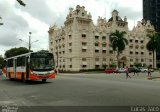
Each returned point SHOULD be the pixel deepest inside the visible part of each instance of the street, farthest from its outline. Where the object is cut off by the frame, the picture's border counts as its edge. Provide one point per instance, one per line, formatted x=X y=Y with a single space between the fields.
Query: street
x=83 y=89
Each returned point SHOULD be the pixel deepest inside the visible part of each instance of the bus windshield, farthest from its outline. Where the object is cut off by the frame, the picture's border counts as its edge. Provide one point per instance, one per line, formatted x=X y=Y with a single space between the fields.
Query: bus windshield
x=41 y=63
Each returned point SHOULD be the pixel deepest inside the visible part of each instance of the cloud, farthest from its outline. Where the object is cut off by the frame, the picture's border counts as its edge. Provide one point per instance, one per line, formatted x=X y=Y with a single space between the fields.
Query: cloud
x=13 y=25
x=130 y=13
x=38 y=9
x=38 y=15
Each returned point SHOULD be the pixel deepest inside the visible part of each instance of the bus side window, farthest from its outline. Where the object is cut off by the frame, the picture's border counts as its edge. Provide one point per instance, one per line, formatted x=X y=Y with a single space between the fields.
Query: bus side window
x=10 y=63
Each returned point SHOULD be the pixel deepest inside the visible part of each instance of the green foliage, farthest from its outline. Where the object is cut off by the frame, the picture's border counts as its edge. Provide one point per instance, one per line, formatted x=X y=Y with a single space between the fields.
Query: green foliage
x=43 y=51
x=118 y=42
x=1 y=61
x=16 y=51
x=138 y=64
x=153 y=44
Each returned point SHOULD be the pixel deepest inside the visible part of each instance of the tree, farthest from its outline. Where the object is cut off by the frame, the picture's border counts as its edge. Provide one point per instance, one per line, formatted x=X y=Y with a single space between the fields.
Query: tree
x=1 y=61
x=153 y=44
x=16 y=51
x=118 y=43
x=21 y=2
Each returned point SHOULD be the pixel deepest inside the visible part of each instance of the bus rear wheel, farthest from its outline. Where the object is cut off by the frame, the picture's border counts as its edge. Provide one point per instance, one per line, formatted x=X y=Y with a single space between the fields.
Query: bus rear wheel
x=44 y=80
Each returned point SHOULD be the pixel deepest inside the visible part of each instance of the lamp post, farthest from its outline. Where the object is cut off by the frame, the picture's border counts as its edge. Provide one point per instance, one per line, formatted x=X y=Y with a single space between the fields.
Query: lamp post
x=29 y=43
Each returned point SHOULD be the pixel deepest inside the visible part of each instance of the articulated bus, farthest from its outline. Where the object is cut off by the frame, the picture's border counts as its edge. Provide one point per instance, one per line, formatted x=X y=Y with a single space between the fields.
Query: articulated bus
x=30 y=66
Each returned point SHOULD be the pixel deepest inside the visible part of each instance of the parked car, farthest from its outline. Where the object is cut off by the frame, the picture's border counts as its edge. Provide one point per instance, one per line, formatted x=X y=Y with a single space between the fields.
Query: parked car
x=133 y=69
x=121 y=70
x=143 y=69
x=110 y=70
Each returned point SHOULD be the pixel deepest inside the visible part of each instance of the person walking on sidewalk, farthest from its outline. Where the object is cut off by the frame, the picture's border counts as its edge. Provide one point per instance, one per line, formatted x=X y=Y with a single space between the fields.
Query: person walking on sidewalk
x=135 y=71
x=149 y=71
x=127 y=73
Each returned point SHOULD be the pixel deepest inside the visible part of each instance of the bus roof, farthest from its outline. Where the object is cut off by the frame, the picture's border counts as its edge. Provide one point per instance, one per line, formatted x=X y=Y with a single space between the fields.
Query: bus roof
x=26 y=54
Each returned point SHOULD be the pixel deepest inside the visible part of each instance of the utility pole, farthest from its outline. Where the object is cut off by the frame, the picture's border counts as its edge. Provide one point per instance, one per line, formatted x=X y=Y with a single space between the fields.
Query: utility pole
x=30 y=41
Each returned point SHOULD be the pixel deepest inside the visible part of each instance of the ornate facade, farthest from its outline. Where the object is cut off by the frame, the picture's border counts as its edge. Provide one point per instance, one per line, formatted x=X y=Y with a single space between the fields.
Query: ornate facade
x=81 y=45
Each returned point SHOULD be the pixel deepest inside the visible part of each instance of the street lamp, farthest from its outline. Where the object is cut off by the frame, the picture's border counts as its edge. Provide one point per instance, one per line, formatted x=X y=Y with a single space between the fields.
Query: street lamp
x=29 y=43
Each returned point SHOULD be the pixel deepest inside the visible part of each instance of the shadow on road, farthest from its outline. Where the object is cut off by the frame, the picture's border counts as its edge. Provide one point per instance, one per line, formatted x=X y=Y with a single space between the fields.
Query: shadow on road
x=20 y=82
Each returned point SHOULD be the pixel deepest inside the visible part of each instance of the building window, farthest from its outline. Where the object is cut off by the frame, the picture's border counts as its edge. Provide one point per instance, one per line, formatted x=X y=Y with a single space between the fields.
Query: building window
x=70 y=66
x=96 y=44
x=70 y=44
x=136 y=60
x=83 y=59
x=70 y=50
x=96 y=66
x=136 y=53
x=130 y=40
x=82 y=13
x=130 y=47
x=111 y=52
x=84 y=43
x=96 y=59
x=84 y=66
x=142 y=60
x=142 y=53
x=104 y=59
x=96 y=51
x=70 y=36
x=131 y=60
x=96 y=37
x=142 y=47
x=111 y=59
x=150 y=53
x=103 y=51
x=103 y=45
x=84 y=35
x=150 y=60
x=84 y=50
x=104 y=37
x=136 y=41
x=131 y=52
x=141 y=41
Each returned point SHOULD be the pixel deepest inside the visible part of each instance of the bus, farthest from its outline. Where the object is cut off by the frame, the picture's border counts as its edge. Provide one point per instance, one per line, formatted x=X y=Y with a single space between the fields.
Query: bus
x=30 y=66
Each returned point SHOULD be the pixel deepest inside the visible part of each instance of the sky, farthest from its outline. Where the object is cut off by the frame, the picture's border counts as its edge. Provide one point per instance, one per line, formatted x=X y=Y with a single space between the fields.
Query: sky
x=38 y=15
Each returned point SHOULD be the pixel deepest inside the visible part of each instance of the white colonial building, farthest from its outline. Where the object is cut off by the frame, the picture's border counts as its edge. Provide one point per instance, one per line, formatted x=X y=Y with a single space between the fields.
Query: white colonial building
x=81 y=45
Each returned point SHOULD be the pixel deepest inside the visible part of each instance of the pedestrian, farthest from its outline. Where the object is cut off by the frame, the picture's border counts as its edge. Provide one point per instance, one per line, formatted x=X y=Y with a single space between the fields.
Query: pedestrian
x=127 y=73
x=135 y=71
x=149 y=71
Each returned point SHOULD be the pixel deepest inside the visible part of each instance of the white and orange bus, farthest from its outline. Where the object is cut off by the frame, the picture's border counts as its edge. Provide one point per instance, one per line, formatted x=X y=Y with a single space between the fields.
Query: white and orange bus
x=30 y=66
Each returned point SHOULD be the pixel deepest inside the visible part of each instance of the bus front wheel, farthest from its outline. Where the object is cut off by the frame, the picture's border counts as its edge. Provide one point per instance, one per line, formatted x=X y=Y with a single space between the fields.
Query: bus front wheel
x=44 y=80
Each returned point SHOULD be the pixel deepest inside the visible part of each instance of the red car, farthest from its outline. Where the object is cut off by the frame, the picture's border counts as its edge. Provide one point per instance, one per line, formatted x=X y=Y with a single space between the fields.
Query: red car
x=110 y=70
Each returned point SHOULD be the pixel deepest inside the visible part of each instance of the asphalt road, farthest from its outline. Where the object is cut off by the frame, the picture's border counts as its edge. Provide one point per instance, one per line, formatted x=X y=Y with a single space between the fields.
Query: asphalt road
x=83 y=89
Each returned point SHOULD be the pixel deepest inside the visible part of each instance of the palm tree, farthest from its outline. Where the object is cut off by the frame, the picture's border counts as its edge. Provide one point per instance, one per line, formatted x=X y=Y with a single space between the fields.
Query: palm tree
x=152 y=44
x=118 y=43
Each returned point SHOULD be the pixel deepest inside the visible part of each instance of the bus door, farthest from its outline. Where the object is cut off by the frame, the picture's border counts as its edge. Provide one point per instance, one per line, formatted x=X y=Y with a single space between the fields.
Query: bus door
x=14 y=67
x=27 y=67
